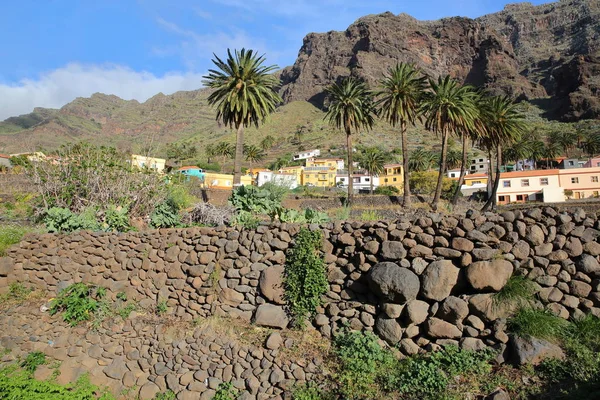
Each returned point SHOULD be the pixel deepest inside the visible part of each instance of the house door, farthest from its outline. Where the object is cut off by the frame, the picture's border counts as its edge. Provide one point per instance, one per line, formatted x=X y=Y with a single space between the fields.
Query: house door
x=577 y=195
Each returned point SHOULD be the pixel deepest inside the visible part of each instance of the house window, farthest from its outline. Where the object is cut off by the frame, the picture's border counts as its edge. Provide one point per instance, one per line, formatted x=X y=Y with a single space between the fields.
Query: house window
x=543 y=181
x=598 y=164
x=571 y=163
x=481 y=166
x=521 y=197
x=506 y=184
x=394 y=179
x=476 y=183
x=367 y=179
x=481 y=160
x=501 y=199
x=524 y=183
x=595 y=193
x=342 y=179
x=385 y=180
x=575 y=180
x=594 y=179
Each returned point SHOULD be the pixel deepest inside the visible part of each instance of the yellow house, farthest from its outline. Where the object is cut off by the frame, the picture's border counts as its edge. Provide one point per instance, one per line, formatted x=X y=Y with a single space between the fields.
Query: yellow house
x=295 y=170
x=155 y=164
x=476 y=179
x=393 y=175
x=319 y=176
x=334 y=163
x=214 y=180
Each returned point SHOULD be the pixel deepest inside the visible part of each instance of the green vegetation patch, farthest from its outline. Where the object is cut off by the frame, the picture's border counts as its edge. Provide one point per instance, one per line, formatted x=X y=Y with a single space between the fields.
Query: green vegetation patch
x=9 y=235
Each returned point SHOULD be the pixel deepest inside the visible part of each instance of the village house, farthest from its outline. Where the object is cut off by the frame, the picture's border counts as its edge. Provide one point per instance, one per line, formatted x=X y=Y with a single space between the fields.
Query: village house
x=361 y=181
x=524 y=186
x=393 y=175
x=570 y=163
x=151 y=163
x=319 y=176
x=213 y=180
x=479 y=164
x=303 y=155
x=5 y=162
x=474 y=183
x=287 y=180
x=295 y=171
x=592 y=162
x=583 y=182
x=333 y=163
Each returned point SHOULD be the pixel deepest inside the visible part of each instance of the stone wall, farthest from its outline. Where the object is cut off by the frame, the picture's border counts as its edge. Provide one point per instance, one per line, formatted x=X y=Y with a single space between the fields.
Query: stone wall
x=419 y=282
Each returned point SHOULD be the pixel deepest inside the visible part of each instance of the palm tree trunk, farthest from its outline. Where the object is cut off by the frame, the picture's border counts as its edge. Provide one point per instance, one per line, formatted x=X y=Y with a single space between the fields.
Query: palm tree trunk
x=406 y=203
x=491 y=202
x=371 y=185
x=438 y=188
x=463 y=165
x=349 y=145
x=239 y=153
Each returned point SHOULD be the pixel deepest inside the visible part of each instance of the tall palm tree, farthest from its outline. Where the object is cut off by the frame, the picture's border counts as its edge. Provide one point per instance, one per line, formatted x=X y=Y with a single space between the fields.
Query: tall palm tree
x=351 y=109
x=551 y=151
x=505 y=127
x=591 y=143
x=225 y=150
x=267 y=142
x=566 y=139
x=453 y=159
x=211 y=151
x=373 y=159
x=245 y=94
x=402 y=90
x=253 y=154
x=448 y=108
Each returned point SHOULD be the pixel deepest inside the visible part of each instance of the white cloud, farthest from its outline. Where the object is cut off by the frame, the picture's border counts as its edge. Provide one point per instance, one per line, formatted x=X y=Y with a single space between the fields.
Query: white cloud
x=57 y=88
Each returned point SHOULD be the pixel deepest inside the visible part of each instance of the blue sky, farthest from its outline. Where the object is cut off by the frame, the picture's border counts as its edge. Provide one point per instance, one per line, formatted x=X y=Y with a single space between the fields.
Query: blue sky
x=55 y=50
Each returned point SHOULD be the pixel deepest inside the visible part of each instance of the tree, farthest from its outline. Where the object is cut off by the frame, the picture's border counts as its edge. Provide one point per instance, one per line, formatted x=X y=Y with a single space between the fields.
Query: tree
x=253 y=154
x=505 y=127
x=551 y=151
x=351 y=109
x=267 y=143
x=402 y=90
x=591 y=143
x=281 y=162
x=181 y=151
x=225 y=150
x=567 y=140
x=210 y=151
x=245 y=94
x=422 y=160
x=453 y=159
x=448 y=108
x=373 y=159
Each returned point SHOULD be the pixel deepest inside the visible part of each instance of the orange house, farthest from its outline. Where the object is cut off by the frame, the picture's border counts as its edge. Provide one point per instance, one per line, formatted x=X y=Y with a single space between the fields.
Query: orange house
x=583 y=182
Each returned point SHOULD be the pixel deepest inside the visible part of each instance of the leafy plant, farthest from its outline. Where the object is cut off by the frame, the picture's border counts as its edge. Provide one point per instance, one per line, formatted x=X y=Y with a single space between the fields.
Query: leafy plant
x=78 y=303
x=309 y=391
x=116 y=219
x=59 y=219
x=387 y=190
x=33 y=360
x=542 y=324
x=370 y=215
x=246 y=220
x=161 y=307
x=165 y=215
x=305 y=277
x=168 y=395
x=16 y=292
x=518 y=291
x=254 y=200
x=225 y=391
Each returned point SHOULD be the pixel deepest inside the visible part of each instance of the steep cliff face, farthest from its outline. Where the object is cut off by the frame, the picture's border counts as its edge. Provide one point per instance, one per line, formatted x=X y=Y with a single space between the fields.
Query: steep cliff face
x=524 y=50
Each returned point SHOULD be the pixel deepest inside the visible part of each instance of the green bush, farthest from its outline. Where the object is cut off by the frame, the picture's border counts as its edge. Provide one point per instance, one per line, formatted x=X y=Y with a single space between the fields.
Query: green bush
x=364 y=364
x=9 y=235
x=59 y=219
x=518 y=291
x=370 y=215
x=33 y=360
x=305 y=277
x=225 y=391
x=541 y=324
x=387 y=190
x=17 y=292
x=214 y=167
x=254 y=200
x=246 y=220
x=17 y=383
x=310 y=391
x=425 y=183
x=77 y=302
x=168 y=395
x=165 y=215
x=116 y=219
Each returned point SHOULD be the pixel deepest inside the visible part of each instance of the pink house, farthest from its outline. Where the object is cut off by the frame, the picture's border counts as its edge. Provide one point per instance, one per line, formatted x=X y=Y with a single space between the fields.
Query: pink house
x=583 y=182
x=593 y=162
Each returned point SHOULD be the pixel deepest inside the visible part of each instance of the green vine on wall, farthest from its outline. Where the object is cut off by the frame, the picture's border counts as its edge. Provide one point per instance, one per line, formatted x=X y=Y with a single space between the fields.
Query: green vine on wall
x=305 y=278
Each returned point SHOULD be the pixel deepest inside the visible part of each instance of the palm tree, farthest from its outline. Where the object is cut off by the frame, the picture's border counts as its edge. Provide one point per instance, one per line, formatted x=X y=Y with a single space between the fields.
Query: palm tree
x=267 y=142
x=351 y=109
x=421 y=160
x=567 y=140
x=245 y=94
x=453 y=159
x=225 y=150
x=402 y=90
x=279 y=163
x=505 y=127
x=447 y=109
x=253 y=154
x=551 y=151
x=373 y=159
x=211 y=151
x=591 y=143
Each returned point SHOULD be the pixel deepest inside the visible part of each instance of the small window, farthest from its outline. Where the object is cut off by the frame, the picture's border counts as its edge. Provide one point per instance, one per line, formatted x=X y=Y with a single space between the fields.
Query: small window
x=543 y=181
x=575 y=180
x=367 y=180
x=598 y=164
x=506 y=184
x=481 y=160
x=521 y=197
x=473 y=161
x=385 y=180
x=595 y=193
x=394 y=179
x=342 y=179
x=571 y=163
x=594 y=179
x=501 y=198
x=524 y=183
x=476 y=182
x=481 y=166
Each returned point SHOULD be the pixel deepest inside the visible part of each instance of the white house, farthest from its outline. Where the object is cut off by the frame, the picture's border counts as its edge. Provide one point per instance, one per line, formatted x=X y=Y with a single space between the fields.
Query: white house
x=307 y=154
x=524 y=186
x=286 y=180
x=360 y=181
x=454 y=173
x=479 y=164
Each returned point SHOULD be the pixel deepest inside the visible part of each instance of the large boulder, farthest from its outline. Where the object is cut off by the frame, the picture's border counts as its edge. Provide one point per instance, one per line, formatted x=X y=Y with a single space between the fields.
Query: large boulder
x=535 y=235
x=392 y=250
x=588 y=264
x=392 y=283
x=389 y=329
x=489 y=275
x=271 y=284
x=439 y=278
x=6 y=266
x=484 y=307
x=532 y=350
x=271 y=316
x=453 y=309
x=416 y=311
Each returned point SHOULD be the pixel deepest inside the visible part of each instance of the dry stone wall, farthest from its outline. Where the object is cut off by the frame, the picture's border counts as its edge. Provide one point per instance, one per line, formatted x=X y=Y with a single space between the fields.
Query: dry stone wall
x=420 y=282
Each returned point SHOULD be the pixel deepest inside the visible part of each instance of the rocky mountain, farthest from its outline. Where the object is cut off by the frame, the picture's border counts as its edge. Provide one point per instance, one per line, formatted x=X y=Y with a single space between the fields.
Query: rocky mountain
x=549 y=54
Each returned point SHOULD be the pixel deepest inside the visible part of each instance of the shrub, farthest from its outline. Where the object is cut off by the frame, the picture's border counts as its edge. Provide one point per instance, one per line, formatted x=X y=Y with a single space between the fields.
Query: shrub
x=16 y=292
x=308 y=216
x=59 y=219
x=370 y=215
x=33 y=360
x=246 y=220
x=209 y=214
x=342 y=214
x=78 y=302
x=309 y=392
x=518 y=291
x=541 y=324
x=116 y=219
x=425 y=183
x=387 y=190
x=225 y=391
x=209 y=166
x=168 y=395
x=305 y=277
x=165 y=215
x=254 y=200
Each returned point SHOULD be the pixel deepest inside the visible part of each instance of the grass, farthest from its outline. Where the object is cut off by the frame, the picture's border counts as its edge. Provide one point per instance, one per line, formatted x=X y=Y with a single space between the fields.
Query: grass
x=541 y=324
x=10 y=235
x=18 y=293
x=518 y=291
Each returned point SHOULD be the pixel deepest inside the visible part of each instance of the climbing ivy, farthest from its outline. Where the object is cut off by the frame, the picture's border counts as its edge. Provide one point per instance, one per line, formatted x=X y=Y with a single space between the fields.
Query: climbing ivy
x=305 y=278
